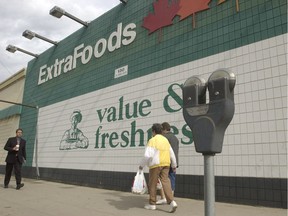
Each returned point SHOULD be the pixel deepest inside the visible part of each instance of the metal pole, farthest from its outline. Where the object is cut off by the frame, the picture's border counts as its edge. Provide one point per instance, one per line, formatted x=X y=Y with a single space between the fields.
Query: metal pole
x=75 y=19
x=20 y=104
x=209 y=185
x=36 y=147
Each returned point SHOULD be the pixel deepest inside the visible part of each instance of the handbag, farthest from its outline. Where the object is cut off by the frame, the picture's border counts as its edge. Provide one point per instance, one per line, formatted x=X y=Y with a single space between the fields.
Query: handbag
x=139 y=185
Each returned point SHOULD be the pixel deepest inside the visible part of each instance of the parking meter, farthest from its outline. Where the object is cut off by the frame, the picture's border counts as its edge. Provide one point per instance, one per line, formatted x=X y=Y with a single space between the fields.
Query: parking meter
x=208 y=121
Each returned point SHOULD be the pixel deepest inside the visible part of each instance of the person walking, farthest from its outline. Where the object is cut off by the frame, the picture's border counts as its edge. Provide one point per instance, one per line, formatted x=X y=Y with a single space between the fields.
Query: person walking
x=158 y=156
x=174 y=142
x=16 y=156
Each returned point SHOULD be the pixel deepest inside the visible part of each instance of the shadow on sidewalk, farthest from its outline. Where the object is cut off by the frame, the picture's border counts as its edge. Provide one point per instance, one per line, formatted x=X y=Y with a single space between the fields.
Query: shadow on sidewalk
x=126 y=202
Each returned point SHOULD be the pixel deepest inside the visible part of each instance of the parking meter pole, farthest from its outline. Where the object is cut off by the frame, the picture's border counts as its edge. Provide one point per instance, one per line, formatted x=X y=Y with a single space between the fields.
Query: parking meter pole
x=209 y=185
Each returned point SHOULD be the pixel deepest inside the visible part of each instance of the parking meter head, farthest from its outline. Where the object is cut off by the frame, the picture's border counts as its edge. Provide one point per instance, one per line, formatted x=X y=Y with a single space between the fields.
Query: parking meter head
x=221 y=85
x=224 y=73
x=194 y=91
x=209 y=120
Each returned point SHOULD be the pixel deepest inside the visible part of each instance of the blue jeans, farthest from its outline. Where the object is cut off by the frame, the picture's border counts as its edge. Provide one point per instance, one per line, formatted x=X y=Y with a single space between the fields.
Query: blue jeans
x=172 y=177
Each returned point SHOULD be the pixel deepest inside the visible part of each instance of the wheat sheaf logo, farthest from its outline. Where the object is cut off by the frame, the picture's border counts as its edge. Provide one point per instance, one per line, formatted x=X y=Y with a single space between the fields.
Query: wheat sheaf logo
x=165 y=12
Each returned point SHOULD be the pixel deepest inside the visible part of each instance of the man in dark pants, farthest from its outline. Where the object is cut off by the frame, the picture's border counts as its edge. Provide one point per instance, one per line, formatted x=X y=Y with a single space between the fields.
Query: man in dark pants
x=16 y=147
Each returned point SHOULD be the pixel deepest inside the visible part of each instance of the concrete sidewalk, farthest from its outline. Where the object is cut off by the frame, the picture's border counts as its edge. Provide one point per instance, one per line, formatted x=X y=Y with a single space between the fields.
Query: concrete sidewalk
x=43 y=198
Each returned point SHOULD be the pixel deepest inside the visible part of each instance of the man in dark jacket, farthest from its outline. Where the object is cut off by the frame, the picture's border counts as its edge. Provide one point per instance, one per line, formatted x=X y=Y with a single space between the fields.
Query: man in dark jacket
x=16 y=147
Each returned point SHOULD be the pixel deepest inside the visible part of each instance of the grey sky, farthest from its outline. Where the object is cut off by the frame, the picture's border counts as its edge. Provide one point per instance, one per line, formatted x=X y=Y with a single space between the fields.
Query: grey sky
x=18 y=15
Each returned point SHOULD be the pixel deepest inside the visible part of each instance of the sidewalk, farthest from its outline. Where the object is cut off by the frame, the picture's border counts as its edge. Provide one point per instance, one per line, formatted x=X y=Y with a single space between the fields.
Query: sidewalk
x=43 y=198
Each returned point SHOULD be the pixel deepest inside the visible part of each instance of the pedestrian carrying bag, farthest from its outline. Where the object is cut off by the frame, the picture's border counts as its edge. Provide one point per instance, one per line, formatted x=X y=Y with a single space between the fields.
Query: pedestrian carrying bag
x=139 y=184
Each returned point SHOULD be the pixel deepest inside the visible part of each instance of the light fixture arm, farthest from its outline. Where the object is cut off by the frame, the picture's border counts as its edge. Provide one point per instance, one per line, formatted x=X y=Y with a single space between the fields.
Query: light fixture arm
x=59 y=12
x=76 y=19
x=27 y=52
x=46 y=39
x=13 y=49
x=29 y=34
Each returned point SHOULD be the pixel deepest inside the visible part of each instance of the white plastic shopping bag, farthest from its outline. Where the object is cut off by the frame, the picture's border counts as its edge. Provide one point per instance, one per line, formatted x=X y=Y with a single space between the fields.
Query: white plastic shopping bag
x=159 y=184
x=139 y=185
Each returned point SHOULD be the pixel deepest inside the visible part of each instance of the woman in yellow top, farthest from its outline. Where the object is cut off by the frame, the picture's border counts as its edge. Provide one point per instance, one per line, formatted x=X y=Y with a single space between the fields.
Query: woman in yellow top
x=158 y=157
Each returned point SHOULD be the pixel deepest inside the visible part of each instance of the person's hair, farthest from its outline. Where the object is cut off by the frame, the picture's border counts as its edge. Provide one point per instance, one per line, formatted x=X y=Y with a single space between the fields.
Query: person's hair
x=19 y=129
x=76 y=114
x=157 y=128
x=166 y=126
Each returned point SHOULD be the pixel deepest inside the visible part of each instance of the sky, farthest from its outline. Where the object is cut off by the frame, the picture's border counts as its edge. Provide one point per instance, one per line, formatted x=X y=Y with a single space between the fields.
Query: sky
x=16 y=16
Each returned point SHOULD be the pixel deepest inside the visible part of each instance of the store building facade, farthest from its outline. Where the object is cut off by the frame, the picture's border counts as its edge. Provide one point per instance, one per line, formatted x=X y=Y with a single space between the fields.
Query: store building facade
x=99 y=91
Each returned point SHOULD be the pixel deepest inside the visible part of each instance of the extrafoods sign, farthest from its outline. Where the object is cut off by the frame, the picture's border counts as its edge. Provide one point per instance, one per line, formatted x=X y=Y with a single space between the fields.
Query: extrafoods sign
x=122 y=36
x=164 y=13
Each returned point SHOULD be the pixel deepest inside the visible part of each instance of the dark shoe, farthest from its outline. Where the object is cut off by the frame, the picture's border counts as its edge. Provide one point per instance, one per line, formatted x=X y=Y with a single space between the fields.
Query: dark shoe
x=5 y=186
x=19 y=186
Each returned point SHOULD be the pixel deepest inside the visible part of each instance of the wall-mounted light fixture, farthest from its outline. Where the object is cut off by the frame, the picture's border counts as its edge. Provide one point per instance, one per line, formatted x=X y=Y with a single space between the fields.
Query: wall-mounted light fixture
x=13 y=49
x=59 y=12
x=29 y=34
x=124 y=1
